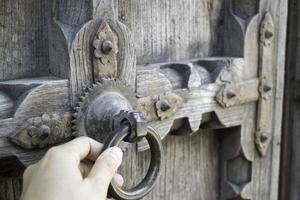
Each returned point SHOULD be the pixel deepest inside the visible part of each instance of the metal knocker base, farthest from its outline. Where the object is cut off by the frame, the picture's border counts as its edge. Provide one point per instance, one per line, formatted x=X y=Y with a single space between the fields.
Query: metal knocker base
x=147 y=184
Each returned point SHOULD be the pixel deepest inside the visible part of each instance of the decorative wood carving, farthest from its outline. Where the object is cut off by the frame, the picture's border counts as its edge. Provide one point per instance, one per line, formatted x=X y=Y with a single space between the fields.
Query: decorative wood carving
x=236 y=168
x=177 y=97
x=239 y=15
x=31 y=98
x=73 y=44
x=198 y=95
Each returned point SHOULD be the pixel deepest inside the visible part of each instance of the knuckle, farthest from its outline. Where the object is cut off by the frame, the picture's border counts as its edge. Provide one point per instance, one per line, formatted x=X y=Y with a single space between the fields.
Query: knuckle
x=53 y=150
x=28 y=171
x=83 y=139
x=55 y=153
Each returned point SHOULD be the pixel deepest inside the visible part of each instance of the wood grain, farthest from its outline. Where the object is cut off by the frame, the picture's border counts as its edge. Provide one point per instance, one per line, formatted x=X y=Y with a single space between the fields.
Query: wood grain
x=23 y=39
x=10 y=189
x=266 y=186
x=190 y=170
x=172 y=30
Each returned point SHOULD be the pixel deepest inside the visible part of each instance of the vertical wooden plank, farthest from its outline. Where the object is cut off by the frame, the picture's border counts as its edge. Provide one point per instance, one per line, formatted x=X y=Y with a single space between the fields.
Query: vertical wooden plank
x=23 y=53
x=173 y=30
x=23 y=38
x=10 y=189
x=266 y=170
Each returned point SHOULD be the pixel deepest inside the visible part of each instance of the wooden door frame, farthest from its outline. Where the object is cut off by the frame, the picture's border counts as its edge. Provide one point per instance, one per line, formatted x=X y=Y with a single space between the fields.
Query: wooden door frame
x=289 y=98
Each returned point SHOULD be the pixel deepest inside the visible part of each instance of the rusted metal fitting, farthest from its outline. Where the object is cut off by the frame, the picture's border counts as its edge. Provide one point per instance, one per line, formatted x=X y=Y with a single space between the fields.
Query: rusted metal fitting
x=167 y=105
x=40 y=132
x=160 y=106
x=239 y=93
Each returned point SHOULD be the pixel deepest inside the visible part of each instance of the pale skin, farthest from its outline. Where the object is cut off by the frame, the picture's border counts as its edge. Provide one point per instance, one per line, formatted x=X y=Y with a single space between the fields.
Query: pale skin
x=64 y=173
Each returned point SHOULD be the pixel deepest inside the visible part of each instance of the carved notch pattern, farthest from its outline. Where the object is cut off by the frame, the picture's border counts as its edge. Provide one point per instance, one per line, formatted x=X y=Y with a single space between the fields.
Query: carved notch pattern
x=245 y=9
x=236 y=167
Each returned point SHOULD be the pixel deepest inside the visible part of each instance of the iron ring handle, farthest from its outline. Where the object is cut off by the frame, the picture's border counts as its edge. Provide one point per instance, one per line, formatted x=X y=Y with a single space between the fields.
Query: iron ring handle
x=149 y=181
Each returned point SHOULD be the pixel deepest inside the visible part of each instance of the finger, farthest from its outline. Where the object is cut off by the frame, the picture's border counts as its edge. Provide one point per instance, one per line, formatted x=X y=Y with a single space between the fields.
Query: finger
x=82 y=147
x=85 y=168
x=28 y=174
x=106 y=166
x=118 y=179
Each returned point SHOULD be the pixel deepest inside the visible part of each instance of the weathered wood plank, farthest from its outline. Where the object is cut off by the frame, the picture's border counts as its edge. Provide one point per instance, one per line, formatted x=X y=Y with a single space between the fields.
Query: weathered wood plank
x=10 y=188
x=33 y=97
x=266 y=171
x=23 y=39
x=190 y=168
x=173 y=30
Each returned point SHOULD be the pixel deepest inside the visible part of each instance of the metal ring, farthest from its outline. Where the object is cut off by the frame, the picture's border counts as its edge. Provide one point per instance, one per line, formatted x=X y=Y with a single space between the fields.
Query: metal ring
x=149 y=181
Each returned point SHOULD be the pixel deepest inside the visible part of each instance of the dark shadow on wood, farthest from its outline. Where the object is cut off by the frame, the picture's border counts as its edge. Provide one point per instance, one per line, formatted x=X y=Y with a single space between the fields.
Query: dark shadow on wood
x=288 y=131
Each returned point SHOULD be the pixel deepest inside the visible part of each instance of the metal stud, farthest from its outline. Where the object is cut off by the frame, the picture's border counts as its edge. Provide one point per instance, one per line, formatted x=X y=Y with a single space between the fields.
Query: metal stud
x=268 y=34
x=263 y=137
x=231 y=94
x=164 y=105
x=107 y=46
x=267 y=88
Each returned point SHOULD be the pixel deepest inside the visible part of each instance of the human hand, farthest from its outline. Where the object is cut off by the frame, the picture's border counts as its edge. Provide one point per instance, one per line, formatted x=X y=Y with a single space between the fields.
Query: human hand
x=66 y=172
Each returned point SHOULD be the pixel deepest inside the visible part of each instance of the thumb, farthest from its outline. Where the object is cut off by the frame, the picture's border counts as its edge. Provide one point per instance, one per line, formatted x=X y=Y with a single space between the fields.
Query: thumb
x=106 y=166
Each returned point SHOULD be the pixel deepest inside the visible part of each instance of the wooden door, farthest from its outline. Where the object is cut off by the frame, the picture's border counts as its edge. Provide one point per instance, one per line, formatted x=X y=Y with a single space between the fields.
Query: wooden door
x=218 y=63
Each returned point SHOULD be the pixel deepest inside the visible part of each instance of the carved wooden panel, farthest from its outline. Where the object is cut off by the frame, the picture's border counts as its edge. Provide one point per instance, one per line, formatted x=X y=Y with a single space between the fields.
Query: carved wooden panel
x=212 y=75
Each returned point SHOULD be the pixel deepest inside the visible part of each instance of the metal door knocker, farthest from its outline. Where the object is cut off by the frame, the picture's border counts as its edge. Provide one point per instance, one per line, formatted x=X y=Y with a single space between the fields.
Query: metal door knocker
x=127 y=124
x=105 y=112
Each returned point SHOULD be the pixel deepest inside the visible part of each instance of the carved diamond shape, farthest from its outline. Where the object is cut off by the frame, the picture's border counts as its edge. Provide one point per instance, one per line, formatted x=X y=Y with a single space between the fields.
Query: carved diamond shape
x=245 y=8
x=239 y=170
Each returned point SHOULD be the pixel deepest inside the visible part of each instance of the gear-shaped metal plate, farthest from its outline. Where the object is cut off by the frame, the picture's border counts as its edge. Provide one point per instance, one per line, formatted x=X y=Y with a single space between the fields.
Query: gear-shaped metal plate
x=97 y=106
